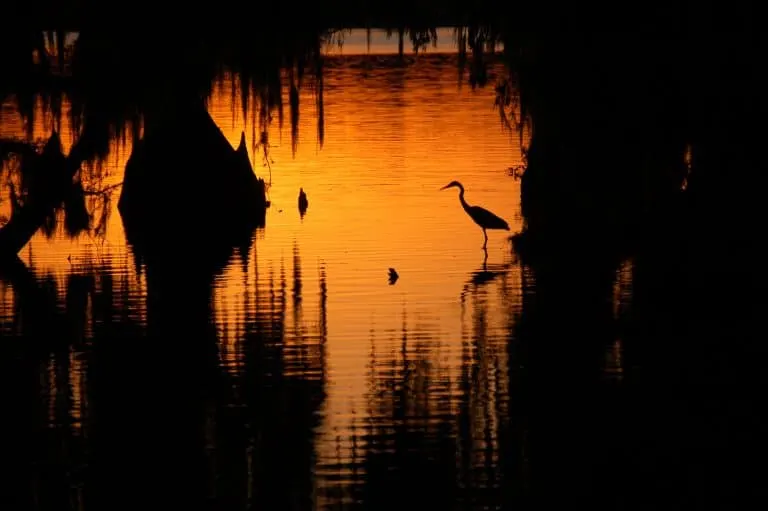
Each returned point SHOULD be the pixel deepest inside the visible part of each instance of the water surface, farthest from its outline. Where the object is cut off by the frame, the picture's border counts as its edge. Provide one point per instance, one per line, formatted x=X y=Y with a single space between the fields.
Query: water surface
x=335 y=387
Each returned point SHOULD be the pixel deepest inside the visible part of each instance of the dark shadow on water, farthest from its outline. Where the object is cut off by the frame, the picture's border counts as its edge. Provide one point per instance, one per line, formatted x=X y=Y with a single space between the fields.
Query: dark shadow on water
x=46 y=359
x=265 y=428
x=673 y=411
x=688 y=207
x=119 y=402
x=566 y=410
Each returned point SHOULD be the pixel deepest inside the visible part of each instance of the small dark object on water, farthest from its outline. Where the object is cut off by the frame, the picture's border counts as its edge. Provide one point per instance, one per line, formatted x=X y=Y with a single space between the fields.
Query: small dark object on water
x=393 y=276
x=303 y=202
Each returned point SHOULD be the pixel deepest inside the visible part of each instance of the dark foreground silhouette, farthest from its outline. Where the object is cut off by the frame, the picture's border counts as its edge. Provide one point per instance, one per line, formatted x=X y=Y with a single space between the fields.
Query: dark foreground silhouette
x=535 y=420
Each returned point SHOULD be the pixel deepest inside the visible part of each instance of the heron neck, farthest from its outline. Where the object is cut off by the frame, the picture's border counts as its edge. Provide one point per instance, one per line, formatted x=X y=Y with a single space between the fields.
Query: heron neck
x=461 y=199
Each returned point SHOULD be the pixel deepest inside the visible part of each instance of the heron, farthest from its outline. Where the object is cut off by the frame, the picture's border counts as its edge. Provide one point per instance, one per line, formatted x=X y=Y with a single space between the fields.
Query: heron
x=481 y=216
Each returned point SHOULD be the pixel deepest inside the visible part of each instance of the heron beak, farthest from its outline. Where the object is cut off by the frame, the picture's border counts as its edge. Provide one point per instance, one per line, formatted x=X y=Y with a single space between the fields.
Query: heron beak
x=446 y=186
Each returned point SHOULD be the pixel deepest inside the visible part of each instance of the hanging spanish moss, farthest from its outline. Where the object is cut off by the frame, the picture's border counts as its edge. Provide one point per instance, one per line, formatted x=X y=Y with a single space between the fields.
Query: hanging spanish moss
x=117 y=80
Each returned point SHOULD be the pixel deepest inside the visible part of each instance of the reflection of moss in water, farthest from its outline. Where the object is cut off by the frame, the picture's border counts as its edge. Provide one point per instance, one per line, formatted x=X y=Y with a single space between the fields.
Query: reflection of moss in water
x=95 y=377
x=144 y=84
x=26 y=170
x=426 y=433
x=114 y=80
x=275 y=369
x=408 y=442
x=56 y=321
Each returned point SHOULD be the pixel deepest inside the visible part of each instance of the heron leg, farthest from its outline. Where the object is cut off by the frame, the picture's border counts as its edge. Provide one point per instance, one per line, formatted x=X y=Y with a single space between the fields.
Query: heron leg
x=485 y=243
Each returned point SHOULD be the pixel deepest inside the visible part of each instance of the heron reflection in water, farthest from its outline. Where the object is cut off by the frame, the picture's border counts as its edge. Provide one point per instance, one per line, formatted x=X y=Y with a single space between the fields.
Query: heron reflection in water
x=481 y=216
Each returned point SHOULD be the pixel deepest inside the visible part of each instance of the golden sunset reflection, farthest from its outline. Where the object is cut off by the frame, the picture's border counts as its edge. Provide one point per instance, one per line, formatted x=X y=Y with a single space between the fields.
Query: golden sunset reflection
x=374 y=203
x=405 y=267
x=308 y=302
x=65 y=385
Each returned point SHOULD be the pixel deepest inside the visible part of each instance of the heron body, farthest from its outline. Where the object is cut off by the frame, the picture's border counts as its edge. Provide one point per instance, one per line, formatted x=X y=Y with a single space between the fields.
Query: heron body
x=481 y=216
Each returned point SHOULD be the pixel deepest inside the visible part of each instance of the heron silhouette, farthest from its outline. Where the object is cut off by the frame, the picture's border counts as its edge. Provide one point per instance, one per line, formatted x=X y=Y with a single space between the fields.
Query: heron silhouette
x=481 y=216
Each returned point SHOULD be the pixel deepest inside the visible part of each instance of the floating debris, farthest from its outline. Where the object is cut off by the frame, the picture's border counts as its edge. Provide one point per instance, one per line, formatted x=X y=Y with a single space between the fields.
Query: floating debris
x=303 y=202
